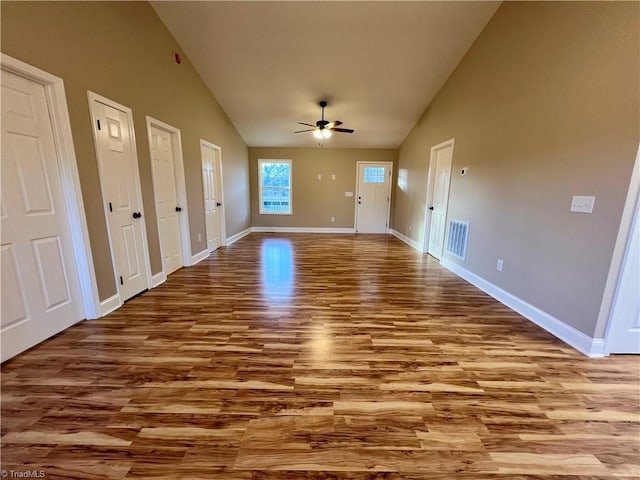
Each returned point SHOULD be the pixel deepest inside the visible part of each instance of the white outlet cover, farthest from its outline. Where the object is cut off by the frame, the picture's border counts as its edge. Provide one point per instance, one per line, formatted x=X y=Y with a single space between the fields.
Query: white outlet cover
x=348 y=194
x=582 y=203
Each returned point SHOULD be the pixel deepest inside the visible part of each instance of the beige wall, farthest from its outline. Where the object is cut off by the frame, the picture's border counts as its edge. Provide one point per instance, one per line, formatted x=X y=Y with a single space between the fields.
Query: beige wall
x=315 y=201
x=544 y=106
x=122 y=51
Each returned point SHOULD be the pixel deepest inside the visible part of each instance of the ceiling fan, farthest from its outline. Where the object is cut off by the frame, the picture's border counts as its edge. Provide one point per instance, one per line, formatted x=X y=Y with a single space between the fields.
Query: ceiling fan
x=324 y=128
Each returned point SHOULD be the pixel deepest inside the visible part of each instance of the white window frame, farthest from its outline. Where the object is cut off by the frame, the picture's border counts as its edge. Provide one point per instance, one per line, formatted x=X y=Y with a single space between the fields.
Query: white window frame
x=260 y=200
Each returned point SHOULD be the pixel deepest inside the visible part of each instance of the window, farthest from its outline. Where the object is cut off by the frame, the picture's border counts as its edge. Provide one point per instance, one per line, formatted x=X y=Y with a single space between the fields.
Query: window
x=274 y=177
x=374 y=175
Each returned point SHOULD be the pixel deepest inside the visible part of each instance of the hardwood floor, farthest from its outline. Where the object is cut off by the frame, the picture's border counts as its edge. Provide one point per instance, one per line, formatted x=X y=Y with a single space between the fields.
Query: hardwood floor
x=318 y=357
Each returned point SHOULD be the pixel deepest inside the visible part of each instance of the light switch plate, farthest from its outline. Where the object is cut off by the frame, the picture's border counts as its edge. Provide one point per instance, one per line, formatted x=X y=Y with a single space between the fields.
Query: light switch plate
x=348 y=194
x=582 y=203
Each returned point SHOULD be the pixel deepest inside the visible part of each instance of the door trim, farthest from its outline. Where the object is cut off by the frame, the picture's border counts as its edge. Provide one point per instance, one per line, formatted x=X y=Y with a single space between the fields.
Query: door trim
x=630 y=213
x=181 y=189
x=430 y=188
x=94 y=97
x=68 y=167
x=221 y=215
x=355 y=203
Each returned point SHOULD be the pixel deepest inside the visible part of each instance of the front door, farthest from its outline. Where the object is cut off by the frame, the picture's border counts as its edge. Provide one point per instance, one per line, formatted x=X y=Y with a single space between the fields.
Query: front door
x=373 y=197
x=120 y=182
x=441 y=158
x=211 y=186
x=166 y=196
x=40 y=289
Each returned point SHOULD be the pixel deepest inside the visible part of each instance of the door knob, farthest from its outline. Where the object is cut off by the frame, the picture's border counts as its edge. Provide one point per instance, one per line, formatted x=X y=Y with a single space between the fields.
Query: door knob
x=137 y=214
x=430 y=208
x=178 y=209
x=218 y=204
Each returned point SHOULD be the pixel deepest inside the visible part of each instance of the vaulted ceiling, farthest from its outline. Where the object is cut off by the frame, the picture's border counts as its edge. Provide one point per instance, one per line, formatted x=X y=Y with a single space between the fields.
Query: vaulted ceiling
x=377 y=63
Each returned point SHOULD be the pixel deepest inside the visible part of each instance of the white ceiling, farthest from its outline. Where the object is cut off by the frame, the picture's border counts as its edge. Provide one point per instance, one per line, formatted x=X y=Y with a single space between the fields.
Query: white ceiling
x=377 y=63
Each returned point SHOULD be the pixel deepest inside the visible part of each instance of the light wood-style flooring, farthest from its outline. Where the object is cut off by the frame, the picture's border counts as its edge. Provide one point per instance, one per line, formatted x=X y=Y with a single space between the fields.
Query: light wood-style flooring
x=318 y=357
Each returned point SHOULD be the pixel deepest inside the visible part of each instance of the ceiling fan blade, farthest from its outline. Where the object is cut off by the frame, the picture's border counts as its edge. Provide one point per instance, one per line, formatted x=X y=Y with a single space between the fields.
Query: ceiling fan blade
x=307 y=124
x=309 y=130
x=343 y=130
x=332 y=125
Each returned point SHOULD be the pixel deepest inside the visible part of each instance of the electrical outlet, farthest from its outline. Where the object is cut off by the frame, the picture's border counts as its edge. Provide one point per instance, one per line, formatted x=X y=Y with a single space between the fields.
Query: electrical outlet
x=333 y=177
x=410 y=227
x=499 y=265
x=199 y=237
x=319 y=176
x=333 y=219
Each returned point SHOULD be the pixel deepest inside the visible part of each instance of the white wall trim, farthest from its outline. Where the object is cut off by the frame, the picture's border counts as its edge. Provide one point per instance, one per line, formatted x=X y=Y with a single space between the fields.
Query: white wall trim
x=409 y=241
x=578 y=340
x=302 y=230
x=198 y=257
x=181 y=189
x=238 y=236
x=110 y=304
x=74 y=204
x=158 y=279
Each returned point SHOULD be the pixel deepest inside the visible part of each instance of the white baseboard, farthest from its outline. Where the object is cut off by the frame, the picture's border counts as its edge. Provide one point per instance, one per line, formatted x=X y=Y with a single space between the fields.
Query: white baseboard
x=578 y=340
x=198 y=257
x=237 y=236
x=158 y=279
x=302 y=230
x=110 y=304
x=409 y=241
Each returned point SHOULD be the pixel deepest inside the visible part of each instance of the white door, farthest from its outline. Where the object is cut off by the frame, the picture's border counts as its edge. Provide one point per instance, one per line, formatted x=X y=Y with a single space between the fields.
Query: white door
x=441 y=159
x=212 y=194
x=373 y=197
x=120 y=182
x=40 y=290
x=624 y=325
x=168 y=208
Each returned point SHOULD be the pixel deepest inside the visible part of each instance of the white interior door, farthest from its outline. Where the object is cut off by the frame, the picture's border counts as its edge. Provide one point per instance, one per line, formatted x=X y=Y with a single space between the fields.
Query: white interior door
x=373 y=197
x=120 y=182
x=441 y=159
x=211 y=169
x=40 y=292
x=168 y=208
x=624 y=327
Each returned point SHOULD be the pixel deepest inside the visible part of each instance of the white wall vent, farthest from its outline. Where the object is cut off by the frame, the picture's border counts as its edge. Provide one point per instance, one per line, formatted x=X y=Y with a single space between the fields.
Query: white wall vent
x=457 y=239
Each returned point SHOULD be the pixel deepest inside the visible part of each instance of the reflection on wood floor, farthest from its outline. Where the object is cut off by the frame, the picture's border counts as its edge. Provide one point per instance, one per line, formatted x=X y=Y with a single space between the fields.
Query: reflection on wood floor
x=323 y=357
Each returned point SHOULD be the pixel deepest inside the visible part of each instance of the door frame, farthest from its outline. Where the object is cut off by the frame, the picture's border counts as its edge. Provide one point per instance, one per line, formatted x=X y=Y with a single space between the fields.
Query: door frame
x=612 y=300
x=94 y=97
x=221 y=215
x=355 y=203
x=431 y=187
x=70 y=179
x=181 y=189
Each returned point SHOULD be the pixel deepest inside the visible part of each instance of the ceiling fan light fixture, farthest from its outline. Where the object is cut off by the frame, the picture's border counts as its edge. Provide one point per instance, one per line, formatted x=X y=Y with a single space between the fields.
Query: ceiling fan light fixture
x=326 y=133
x=318 y=134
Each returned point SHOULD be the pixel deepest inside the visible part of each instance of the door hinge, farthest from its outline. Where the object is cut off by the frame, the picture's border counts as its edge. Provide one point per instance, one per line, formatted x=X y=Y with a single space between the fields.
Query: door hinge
x=110 y=207
x=98 y=121
x=121 y=281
